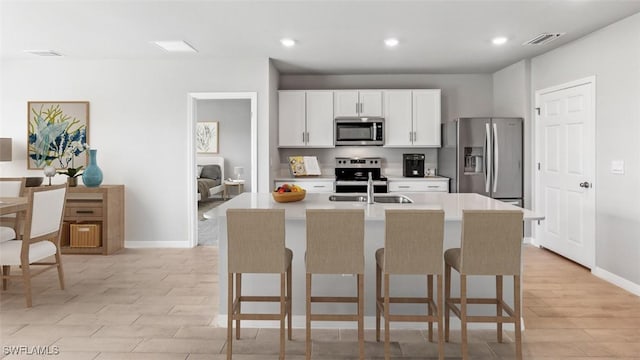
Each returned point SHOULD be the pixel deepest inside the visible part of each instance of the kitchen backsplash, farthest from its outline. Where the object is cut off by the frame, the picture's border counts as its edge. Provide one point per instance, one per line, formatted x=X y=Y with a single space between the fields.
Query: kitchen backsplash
x=391 y=157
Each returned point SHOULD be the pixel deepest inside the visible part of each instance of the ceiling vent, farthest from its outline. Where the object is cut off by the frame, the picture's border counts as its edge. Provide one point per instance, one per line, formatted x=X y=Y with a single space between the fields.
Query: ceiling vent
x=543 y=38
x=43 y=52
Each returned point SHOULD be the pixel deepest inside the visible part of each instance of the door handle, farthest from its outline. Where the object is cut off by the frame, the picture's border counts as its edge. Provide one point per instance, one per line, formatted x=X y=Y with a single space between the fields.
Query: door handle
x=488 y=161
x=585 y=184
x=496 y=160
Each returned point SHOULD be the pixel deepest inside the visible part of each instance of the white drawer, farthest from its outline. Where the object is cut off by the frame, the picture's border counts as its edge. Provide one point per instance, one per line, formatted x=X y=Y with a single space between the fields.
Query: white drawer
x=318 y=186
x=419 y=186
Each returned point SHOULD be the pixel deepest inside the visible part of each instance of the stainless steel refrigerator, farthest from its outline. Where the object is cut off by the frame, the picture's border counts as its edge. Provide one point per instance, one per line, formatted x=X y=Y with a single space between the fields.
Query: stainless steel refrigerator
x=484 y=156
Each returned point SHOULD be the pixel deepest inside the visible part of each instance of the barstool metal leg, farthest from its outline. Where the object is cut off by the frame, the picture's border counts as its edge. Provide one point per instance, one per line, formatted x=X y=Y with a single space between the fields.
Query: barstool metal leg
x=283 y=312
x=429 y=310
x=378 y=299
x=517 y=314
x=440 y=329
x=463 y=316
x=238 y=295
x=499 y=304
x=308 y=324
x=361 y=314
x=229 y=315
x=447 y=297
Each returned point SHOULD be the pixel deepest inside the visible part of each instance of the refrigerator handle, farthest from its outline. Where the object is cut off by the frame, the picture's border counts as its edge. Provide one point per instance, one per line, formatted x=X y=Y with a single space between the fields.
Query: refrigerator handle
x=487 y=156
x=496 y=151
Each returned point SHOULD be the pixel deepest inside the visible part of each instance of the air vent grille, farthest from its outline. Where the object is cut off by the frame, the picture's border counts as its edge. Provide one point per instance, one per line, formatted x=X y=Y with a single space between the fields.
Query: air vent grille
x=543 y=38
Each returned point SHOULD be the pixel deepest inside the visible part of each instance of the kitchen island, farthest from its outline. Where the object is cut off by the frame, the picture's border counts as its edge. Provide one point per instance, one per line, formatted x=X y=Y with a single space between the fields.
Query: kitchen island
x=332 y=285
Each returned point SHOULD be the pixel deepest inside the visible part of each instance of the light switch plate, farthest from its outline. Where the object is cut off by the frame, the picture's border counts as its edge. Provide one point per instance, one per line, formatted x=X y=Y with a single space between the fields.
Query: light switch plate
x=617 y=167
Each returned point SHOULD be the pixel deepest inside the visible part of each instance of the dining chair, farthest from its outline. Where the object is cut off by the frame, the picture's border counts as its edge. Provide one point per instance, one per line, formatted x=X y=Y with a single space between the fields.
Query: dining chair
x=491 y=245
x=412 y=246
x=10 y=187
x=335 y=245
x=41 y=238
x=256 y=239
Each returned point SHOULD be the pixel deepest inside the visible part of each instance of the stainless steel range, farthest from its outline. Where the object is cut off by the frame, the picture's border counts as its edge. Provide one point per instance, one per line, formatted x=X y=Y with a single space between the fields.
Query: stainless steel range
x=352 y=175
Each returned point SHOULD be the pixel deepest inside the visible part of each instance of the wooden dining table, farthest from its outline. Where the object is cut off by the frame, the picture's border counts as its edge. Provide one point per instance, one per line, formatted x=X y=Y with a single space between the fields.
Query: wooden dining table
x=10 y=205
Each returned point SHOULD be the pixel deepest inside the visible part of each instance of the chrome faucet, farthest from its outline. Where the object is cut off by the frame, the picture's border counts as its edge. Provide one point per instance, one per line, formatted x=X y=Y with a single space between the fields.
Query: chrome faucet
x=370 y=190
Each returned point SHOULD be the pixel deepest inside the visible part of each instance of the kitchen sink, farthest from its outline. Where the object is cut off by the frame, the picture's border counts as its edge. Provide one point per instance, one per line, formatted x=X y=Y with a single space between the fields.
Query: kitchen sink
x=383 y=199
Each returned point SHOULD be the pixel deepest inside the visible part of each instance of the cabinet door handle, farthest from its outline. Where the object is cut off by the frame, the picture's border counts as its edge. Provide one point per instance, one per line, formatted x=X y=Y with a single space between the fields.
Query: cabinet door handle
x=410 y=136
x=84 y=212
x=433 y=186
x=404 y=187
x=357 y=107
x=303 y=136
x=318 y=186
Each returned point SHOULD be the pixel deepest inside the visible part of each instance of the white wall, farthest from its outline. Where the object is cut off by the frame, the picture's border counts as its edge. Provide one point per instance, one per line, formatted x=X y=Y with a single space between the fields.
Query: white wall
x=613 y=56
x=234 y=125
x=138 y=123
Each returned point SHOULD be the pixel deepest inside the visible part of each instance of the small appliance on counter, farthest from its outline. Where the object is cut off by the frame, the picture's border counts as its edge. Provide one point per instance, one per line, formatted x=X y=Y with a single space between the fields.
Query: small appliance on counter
x=413 y=165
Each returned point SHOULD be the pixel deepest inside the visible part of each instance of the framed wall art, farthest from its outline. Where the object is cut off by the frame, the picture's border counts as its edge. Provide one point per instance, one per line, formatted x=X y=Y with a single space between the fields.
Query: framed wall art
x=207 y=134
x=57 y=134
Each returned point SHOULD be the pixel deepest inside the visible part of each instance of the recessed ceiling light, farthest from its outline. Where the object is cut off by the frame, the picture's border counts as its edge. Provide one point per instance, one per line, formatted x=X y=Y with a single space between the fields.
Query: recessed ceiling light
x=43 y=52
x=287 y=42
x=175 y=46
x=500 y=40
x=391 y=42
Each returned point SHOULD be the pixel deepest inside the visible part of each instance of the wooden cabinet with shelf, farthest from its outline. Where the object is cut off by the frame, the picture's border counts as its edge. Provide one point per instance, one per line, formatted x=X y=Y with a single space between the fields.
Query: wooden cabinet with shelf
x=103 y=206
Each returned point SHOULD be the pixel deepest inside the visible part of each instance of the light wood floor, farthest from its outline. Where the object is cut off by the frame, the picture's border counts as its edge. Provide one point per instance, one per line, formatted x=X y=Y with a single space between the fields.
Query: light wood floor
x=161 y=304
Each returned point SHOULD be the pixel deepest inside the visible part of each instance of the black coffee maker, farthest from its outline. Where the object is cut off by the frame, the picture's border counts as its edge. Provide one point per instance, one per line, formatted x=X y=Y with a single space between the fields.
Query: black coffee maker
x=413 y=165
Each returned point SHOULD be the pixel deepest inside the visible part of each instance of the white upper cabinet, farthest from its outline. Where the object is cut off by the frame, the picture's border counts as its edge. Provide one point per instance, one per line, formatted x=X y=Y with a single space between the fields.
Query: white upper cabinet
x=398 y=118
x=320 y=118
x=291 y=118
x=412 y=118
x=358 y=103
x=426 y=118
x=305 y=118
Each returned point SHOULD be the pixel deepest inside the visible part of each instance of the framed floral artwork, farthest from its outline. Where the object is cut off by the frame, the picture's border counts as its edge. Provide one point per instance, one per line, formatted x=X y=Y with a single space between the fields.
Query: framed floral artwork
x=207 y=137
x=57 y=134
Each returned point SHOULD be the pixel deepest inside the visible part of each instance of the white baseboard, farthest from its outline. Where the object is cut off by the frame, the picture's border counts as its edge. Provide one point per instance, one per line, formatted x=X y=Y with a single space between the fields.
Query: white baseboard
x=156 y=244
x=299 y=322
x=530 y=241
x=616 y=280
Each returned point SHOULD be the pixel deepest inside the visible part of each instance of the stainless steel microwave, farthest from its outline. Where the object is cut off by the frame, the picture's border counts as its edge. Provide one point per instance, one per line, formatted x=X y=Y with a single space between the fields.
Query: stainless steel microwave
x=359 y=131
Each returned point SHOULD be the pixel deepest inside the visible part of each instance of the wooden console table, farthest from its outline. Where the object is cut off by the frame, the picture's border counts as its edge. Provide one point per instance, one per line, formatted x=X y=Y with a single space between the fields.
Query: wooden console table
x=103 y=206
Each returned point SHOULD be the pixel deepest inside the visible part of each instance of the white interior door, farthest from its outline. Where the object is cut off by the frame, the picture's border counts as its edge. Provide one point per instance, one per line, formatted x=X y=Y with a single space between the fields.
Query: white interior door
x=565 y=191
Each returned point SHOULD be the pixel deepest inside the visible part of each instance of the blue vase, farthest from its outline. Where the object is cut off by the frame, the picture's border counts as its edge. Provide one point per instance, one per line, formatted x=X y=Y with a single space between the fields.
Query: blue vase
x=92 y=175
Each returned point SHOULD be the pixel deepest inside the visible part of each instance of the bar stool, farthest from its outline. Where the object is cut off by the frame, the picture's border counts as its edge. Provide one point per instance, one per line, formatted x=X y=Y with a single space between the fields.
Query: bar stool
x=412 y=245
x=256 y=240
x=491 y=245
x=335 y=245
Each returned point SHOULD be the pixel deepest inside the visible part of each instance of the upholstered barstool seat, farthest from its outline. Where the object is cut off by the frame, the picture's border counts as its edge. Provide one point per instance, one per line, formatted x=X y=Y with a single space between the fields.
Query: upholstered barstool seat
x=412 y=246
x=256 y=239
x=335 y=246
x=490 y=245
x=452 y=257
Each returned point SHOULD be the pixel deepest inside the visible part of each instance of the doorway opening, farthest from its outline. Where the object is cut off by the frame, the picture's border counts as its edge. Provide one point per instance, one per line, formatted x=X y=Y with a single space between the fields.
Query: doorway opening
x=205 y=107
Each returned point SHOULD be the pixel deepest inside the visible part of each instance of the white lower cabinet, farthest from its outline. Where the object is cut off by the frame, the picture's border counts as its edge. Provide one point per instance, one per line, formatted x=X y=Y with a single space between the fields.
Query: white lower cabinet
x=419 y=185
x=311 y=186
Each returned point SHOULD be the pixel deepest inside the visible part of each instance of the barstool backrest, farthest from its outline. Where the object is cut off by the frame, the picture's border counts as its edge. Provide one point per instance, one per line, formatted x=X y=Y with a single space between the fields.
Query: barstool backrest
x=491 y=242
x=335 y=241
x=256 y=240
x=413 y=241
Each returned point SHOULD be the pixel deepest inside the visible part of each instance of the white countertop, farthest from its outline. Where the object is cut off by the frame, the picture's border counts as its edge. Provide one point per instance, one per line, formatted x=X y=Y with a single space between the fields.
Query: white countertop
x=452 y=204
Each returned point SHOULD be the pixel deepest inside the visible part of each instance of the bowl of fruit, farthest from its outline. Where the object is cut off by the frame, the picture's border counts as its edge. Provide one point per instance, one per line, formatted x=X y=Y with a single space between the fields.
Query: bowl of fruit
x=288 y=193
